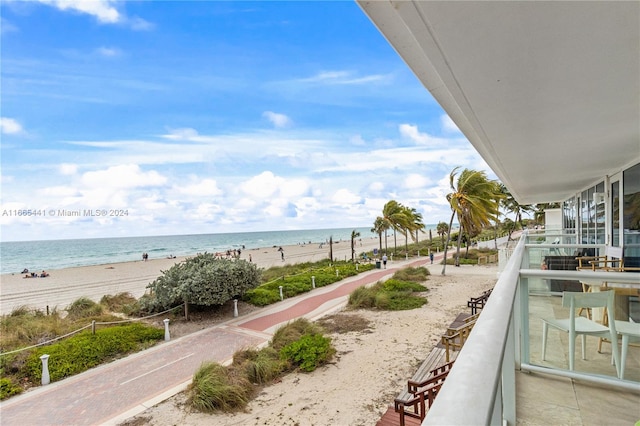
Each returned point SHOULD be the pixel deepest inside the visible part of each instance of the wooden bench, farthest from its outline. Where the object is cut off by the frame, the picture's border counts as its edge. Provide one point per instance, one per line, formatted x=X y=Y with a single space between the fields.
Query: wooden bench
x=453 y=339
x=477 y=303
x=422 y=389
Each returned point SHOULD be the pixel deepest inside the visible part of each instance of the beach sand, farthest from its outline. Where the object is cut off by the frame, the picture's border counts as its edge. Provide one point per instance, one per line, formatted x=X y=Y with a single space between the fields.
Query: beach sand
x=63 y=286
x=369 y=370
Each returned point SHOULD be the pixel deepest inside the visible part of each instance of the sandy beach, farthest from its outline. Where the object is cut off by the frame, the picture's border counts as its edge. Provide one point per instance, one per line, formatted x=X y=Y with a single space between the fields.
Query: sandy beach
x=63 y=286
x=369 y=370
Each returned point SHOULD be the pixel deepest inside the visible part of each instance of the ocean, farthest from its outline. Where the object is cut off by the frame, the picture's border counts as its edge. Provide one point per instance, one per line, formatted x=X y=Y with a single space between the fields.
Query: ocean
x=58 y=254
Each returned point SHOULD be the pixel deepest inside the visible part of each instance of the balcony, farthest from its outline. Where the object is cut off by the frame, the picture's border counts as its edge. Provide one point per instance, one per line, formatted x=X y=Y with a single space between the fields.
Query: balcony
x=500 y=377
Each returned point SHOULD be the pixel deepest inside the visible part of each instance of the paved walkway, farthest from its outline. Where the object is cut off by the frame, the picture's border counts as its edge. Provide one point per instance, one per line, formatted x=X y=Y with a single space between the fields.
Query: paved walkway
x=114 y=392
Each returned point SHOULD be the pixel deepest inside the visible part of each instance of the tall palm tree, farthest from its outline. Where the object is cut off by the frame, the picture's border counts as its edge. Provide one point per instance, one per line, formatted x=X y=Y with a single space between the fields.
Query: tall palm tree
x=442 y=228
x=379 y=226
x=392 y=212
x=354 y=234
x=411 y=222
x=510 y=204
x=475 y=200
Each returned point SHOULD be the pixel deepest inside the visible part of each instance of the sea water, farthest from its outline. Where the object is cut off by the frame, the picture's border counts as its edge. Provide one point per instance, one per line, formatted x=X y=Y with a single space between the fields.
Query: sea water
x=57 y=254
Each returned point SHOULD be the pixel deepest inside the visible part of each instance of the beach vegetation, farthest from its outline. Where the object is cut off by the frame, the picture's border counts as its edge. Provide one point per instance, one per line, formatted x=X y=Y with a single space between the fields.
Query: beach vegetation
x=297 y=279
x=308 y=352
x=84 y=308
x=8 y=388
x=122 y=302
x=86 y=350
x=219 y=388
x=394 y=294
x=354 y=234
x=204 y=280
x=298 y=344
x=345 y=323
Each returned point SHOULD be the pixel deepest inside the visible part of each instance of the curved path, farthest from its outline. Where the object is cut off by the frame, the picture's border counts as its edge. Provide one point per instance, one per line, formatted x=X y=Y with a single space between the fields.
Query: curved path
x=114 y=392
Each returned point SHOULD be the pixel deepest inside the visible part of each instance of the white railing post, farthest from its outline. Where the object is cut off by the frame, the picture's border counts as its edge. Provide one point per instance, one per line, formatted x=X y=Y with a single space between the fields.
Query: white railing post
x=46 y=379
x=235 y=308
x=167 y=335
x=313 y=281
x=281 y=295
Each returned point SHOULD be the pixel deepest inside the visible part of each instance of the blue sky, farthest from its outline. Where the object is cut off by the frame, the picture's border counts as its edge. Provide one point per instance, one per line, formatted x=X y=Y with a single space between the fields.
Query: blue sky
x=207 y=117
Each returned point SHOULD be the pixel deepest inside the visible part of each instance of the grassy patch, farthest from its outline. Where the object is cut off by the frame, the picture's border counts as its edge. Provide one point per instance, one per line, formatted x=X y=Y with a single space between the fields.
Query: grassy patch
x=218 y=388
x=395 y=294
x=344 y=323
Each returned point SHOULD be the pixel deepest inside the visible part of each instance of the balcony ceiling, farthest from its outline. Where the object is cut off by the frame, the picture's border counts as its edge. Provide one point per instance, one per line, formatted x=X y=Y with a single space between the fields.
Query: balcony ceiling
x=547 y=92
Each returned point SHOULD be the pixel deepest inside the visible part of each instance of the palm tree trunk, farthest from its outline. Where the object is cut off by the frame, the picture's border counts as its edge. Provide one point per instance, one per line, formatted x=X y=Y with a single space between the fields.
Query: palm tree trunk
x=446 y=246
x=457 y=262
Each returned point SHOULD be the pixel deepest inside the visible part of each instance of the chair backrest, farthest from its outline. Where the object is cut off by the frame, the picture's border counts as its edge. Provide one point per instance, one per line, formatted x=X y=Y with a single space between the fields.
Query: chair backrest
x=598 y=299
x=613 y=252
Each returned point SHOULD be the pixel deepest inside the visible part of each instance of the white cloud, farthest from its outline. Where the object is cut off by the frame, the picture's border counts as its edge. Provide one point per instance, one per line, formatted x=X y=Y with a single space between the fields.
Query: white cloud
x=376 y=187
x=103 y=10
x=262 y=186
x=415 y=181
x=448 y=126
x=412 y=133
x=139 y=24
x=68 y=169
x=345 y=197
x=9 y=126
x=357 y=140
x=204 y=188
x=342 y=77
x=185 y=133
x=123 y=176
x=278 y=120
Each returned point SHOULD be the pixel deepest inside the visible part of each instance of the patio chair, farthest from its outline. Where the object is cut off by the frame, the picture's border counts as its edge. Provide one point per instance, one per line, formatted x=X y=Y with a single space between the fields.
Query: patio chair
x=578 y=325
x=630 y=332
x=612 y=260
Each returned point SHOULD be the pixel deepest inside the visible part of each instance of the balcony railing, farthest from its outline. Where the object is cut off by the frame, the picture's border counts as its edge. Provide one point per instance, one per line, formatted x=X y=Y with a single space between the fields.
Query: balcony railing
x=480 y=389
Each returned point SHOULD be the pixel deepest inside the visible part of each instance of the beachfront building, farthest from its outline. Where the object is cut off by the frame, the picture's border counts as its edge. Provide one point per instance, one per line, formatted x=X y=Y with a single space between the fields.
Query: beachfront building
x=549 y=95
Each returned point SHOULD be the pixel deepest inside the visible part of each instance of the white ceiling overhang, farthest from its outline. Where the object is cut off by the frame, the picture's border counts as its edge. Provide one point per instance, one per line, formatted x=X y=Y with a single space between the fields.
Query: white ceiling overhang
x=547 y=92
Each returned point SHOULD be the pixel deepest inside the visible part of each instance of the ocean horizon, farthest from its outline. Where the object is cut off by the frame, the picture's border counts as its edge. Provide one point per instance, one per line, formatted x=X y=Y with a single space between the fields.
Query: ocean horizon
x=58 y=254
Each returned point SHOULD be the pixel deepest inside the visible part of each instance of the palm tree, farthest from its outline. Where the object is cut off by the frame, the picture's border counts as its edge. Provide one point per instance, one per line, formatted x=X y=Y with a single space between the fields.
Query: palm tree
x=392 y=212
x=379 y=228
x=331 y=248
x=412 y=221
x=442 y=228
x=510 y=204
x=475 y=200
x=354 y=234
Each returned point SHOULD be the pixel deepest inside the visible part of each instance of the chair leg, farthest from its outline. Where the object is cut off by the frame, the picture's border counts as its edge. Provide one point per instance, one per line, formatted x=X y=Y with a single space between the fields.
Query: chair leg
x=584 y=346
x=545 y=330
x=572 y=350
x=623 y=357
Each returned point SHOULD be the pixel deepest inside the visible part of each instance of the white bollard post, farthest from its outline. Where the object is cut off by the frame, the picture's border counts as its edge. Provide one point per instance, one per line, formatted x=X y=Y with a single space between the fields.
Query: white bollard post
x=235 y=308
x=46 y=379
x=313 y=281
x=167 y=335
x=281 y=295
x=406 y=256
x=356 y=266
x=337 y=273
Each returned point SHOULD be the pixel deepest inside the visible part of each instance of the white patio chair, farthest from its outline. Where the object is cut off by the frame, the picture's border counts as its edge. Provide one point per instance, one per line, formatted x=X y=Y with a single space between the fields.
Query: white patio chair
x=577 y=325
x=630 y=332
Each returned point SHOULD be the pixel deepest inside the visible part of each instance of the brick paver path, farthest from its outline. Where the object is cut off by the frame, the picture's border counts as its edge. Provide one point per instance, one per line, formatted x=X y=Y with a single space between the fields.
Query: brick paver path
x=113 y=392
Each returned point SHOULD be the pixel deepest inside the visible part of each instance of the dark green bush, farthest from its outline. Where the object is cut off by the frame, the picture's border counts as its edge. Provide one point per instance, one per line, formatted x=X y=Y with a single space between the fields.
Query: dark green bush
x=309 y=352
x=260 y=366
x=293 y=331
x=398 y=301
x=8 y=388
x=362 y=298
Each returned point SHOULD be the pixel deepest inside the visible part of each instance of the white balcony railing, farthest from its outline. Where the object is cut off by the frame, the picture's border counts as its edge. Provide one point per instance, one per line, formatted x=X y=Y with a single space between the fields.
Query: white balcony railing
x=480 y=389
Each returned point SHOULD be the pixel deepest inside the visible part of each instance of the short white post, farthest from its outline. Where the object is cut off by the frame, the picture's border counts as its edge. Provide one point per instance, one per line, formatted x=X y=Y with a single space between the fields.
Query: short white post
x=313 y=281
x=167 y=336
x=337 y=273
x=281 y=295
x=406 y=256
x=46 y=379
x=392 y=257
x=235 y=308
x=356 y=266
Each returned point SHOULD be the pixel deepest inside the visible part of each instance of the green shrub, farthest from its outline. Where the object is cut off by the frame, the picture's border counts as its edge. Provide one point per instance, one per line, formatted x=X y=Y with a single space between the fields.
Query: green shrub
x=418 y=274
x=398 y=301
x=261 y=296
x=399 y=285
x=310 y=351
x=8 y=388
x=86 y=350
x=118 y=302
x=260 y=366
x=292 y=332
x=216 y=387
x=84 y=308
x=362 y=298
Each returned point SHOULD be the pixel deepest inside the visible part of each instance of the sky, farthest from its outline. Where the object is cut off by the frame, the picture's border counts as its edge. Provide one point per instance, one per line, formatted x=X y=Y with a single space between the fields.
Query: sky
x=136 y=118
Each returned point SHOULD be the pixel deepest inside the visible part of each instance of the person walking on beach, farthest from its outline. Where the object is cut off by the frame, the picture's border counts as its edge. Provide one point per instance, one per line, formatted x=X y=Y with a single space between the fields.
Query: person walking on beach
x=431 y=257
x=282 y=255
x=384 y=261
